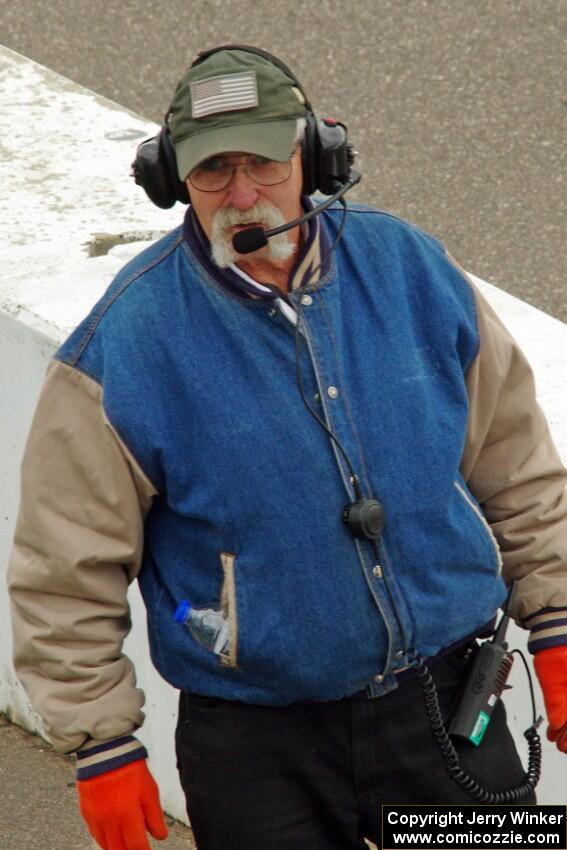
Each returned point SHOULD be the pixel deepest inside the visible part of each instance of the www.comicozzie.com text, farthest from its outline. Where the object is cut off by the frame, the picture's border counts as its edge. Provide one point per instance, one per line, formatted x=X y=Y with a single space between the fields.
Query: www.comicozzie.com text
x=473 y=827
x=475 y=818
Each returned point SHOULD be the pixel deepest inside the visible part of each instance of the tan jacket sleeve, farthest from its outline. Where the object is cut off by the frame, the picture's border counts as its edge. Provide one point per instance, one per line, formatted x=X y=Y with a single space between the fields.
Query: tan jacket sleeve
x=78 y=544
x=513 y=468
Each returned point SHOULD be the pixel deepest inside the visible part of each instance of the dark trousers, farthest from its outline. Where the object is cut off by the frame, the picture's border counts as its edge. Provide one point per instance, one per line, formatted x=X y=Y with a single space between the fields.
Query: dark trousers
x=312 y=776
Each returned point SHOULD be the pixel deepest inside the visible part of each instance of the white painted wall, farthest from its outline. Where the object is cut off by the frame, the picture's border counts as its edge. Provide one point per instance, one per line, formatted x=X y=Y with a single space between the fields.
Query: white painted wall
x=64 y=163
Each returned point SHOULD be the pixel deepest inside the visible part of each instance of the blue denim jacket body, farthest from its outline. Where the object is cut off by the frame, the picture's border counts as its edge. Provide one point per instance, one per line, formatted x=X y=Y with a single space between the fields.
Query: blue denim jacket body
x=199 y=383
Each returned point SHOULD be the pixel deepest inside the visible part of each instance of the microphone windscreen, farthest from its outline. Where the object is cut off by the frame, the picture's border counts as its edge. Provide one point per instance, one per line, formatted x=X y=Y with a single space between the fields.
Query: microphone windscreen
x=246 y=241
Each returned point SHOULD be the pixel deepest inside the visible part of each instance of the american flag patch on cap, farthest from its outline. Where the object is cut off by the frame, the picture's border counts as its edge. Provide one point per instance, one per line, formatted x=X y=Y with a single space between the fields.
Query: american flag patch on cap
x=226 y=93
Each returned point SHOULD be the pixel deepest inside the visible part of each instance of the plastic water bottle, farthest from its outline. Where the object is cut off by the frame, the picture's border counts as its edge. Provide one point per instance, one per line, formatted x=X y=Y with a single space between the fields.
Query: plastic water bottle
x=208 y=626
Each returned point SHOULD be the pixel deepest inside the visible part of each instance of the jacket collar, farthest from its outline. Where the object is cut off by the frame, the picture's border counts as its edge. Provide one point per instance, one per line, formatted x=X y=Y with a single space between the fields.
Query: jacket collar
x=307 y=269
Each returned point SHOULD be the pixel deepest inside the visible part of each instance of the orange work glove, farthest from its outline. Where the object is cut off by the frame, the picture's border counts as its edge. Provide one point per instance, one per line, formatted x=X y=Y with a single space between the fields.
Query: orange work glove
x=551 y=668
x=121 y=806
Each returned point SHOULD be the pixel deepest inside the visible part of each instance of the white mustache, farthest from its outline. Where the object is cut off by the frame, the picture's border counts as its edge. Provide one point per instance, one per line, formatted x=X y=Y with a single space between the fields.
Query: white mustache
x=261 y=212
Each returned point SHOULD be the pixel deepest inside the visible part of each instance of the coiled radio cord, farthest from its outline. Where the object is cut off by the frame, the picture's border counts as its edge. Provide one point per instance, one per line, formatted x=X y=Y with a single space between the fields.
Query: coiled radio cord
x=451 y=757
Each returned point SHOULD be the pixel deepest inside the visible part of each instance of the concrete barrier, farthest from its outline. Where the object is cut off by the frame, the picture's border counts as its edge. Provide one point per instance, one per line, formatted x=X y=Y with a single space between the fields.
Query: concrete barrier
x=72 y=217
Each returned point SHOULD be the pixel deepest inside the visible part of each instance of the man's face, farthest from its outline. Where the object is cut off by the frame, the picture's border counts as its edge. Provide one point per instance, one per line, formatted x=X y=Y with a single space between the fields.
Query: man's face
x=242 y=193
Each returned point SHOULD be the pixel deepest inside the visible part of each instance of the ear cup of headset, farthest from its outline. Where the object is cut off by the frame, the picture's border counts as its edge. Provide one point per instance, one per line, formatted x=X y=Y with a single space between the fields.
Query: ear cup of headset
x=333 y=156
x=155 y=169
x=327 y=156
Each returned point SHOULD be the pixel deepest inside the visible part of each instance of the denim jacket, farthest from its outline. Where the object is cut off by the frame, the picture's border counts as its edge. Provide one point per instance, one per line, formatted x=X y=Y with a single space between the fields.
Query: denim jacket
x=211 y=481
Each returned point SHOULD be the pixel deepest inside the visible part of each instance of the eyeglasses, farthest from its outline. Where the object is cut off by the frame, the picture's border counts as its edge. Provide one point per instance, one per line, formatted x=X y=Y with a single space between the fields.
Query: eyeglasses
x=215 y=173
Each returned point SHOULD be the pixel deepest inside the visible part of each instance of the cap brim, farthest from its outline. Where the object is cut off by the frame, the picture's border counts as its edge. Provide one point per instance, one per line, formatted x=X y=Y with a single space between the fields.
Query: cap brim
x=272 y=139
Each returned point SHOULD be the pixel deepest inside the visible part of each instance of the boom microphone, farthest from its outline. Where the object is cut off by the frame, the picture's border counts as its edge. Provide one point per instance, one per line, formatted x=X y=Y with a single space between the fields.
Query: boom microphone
x=246 y=241
x=253 y=238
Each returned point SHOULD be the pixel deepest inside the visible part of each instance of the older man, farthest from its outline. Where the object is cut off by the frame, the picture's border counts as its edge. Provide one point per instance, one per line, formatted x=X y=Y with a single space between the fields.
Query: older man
x=320 y=454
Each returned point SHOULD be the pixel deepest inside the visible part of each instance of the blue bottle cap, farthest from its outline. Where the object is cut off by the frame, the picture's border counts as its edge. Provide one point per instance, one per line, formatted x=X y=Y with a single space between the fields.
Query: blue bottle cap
x=182 y=611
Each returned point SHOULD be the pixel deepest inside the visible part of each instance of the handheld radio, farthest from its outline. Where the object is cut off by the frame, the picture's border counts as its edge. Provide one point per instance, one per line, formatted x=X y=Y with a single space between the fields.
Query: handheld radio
x=485 y=683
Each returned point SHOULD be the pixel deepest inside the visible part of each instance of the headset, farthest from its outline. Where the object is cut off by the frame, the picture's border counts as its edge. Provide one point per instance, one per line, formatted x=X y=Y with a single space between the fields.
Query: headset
x=327 y=155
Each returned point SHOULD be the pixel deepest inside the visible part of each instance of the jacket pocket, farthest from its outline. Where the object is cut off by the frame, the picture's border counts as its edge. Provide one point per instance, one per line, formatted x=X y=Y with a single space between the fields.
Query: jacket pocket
x=229 y=658
x=476 y=510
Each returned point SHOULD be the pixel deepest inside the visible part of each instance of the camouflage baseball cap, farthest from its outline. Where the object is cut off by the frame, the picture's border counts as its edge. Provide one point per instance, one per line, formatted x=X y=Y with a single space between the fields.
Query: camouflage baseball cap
x=234 y=101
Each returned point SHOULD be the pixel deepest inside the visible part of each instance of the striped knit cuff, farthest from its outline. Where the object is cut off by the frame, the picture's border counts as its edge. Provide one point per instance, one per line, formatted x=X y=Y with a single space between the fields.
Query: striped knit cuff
x=548 y=628
x=96 y=757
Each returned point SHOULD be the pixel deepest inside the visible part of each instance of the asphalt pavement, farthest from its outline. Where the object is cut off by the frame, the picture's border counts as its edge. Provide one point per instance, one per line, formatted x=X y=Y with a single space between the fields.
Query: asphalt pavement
x=458 y=109
x=38 y=800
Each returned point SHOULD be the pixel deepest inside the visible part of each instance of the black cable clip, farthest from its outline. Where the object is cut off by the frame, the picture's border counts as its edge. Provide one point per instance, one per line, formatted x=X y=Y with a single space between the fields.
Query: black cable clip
x=364 y=517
